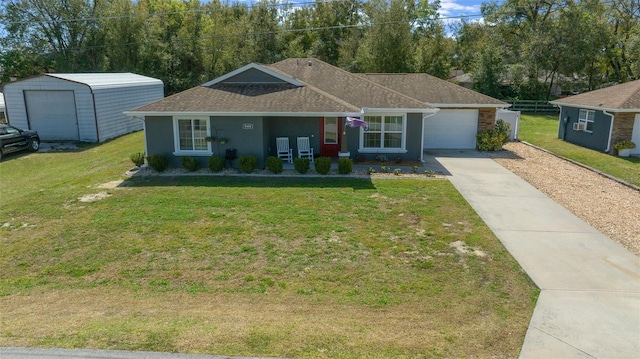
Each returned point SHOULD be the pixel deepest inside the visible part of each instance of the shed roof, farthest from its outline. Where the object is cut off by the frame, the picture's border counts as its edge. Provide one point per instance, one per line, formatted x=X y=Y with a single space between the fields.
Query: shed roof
x=619 y=98
x=108 y=80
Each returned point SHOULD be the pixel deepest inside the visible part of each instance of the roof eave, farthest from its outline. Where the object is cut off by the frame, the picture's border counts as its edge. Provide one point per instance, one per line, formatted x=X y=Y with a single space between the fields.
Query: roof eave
x=596 y=108
x=399 y=110
x=143 y=114
x=469 y=105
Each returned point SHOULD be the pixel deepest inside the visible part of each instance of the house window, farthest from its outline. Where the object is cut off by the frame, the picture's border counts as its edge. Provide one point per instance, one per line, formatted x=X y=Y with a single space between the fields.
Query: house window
x=190 y=134
x=585 y=119
x=385 y=133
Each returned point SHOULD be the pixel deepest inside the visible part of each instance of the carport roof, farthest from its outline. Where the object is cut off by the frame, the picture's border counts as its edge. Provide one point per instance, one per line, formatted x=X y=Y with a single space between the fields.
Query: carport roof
x=108 y=80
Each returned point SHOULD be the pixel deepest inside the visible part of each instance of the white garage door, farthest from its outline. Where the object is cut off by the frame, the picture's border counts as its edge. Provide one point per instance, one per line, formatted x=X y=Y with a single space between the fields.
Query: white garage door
x=52 y=114
x=451 y=129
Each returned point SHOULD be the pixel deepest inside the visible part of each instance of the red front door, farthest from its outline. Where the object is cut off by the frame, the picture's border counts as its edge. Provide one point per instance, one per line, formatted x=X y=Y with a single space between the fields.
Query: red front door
x=330 y=128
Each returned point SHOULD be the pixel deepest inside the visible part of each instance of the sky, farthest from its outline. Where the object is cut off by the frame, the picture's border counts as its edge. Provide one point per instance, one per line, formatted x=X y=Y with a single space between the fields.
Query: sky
x=455 y=8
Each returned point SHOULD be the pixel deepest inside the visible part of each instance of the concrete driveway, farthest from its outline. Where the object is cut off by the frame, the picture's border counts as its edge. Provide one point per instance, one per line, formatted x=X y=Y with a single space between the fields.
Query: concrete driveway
x=589 y=305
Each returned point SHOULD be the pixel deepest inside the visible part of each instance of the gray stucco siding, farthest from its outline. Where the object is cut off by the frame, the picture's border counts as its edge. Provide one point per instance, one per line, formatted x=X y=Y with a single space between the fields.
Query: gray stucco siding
x=243 y=133
x=414 y=137
x=595 y=140
x=159 y=137
x=292 y=127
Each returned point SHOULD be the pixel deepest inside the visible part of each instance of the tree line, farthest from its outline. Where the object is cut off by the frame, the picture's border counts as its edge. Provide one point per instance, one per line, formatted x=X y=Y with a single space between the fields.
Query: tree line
x=521 y=49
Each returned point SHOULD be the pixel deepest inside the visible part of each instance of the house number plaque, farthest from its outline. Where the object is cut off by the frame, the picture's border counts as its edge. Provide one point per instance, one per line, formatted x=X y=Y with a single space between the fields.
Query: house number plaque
x=247 y=126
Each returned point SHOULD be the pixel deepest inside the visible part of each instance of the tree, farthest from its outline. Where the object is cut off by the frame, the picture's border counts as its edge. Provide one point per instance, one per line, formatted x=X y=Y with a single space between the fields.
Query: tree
x=489 y=71
x=61 y=30
x=388 y=45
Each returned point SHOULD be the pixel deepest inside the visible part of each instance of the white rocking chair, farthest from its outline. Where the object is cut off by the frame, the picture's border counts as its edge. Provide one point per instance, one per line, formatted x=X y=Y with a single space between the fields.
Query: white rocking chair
x=304 y=150
x=282 y=143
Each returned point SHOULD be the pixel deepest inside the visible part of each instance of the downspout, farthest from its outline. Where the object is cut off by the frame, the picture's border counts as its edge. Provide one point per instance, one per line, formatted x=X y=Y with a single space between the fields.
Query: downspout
x=424 y=125
x=610 y=130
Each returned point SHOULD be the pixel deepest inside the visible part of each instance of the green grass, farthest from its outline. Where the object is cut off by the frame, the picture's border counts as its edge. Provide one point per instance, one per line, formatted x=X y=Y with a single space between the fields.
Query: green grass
x=291 y=267
x=543 y=131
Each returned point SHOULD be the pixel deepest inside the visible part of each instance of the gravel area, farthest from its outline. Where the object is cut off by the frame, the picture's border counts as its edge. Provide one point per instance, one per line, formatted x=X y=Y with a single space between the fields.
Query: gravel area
x=607 y=205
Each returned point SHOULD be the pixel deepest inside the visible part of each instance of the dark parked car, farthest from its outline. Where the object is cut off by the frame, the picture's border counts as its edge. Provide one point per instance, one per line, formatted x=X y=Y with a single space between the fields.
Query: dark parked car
x=14 y=139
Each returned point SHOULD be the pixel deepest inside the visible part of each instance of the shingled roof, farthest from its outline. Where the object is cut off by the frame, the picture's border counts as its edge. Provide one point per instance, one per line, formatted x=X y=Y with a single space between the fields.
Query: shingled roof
x=350 y=87
x=434 y=91
x=619 y=98
x=249 y=98
x=311 y=86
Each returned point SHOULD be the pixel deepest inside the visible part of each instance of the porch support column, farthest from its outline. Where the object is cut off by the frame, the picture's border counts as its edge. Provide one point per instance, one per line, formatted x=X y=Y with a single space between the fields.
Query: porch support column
x=343 y=134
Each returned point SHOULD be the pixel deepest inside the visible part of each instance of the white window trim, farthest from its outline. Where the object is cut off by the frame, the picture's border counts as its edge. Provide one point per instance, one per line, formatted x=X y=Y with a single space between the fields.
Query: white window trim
x=176 y=137
x=586 y=120
x=402 y=149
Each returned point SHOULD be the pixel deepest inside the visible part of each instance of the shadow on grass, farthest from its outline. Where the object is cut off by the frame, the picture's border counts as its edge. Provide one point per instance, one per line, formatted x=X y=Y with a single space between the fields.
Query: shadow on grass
x=249 y=182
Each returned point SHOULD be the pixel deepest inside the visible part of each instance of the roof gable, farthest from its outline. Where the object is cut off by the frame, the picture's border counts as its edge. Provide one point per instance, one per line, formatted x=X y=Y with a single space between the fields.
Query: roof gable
x=619 y=98
x=252 y=74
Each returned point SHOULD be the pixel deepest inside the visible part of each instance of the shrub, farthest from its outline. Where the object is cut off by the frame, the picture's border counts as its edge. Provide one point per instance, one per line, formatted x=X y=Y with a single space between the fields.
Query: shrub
x=137 y=158
x=381 y=158
x=189 y=163
x=345 y=166
x=623 y=145
x=274 y=164
x=159 y=162
x=397 y=171
x=494 y=139
x=301 y=165
x=248 y=163
x=216 y=163
x=323 y=165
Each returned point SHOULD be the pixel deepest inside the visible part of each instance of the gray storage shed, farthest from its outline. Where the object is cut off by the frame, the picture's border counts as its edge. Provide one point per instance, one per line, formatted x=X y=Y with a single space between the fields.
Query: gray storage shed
x=79 y=107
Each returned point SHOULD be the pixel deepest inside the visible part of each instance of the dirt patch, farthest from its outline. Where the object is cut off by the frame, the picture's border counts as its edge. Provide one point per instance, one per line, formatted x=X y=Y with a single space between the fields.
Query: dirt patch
x=58 y=146
x=463 y=249
x=111 y=184
x=94 y=197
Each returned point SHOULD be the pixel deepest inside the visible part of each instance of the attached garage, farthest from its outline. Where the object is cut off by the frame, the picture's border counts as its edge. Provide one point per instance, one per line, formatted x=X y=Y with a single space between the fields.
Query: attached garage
x=451 y=129
x=79 y=107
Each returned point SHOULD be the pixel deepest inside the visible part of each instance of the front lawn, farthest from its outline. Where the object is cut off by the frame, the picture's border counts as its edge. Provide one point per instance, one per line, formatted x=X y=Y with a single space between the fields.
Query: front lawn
x=542 y=131
x=289 y=267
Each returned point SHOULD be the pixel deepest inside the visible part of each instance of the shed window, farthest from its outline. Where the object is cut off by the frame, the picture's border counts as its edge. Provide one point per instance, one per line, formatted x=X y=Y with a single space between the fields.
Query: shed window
x=190 y=135
x=586 y=118
x=386 y=133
